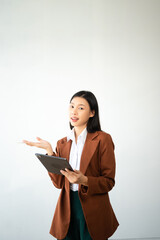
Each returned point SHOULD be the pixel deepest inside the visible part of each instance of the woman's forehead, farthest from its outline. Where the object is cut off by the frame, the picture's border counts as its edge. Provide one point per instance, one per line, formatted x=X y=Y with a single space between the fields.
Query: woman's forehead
x=79 y=101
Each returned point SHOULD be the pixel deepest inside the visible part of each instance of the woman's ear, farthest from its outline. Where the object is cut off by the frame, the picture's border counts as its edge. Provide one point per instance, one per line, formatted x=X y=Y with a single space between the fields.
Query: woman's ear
x=92 y=113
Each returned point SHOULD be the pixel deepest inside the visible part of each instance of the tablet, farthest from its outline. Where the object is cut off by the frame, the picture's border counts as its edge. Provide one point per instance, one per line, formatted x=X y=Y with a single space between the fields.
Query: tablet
x=54 y=164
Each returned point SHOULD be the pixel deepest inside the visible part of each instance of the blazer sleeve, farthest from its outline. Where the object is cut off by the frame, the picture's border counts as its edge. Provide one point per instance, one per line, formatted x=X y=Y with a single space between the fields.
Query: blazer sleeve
x=57 y=180
x=105 y=182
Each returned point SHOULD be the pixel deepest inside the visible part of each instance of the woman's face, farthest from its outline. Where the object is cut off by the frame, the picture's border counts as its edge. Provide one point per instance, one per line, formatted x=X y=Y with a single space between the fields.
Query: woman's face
x=79 y=112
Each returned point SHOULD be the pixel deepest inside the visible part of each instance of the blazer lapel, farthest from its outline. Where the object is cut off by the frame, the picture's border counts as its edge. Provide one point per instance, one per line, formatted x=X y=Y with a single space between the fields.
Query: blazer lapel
x=88 y=150
x=87 y=153
x=65 y=149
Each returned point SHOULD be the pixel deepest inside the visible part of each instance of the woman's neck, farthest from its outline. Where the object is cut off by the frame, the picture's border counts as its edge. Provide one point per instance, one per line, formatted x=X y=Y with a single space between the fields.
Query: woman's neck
x=78 y=130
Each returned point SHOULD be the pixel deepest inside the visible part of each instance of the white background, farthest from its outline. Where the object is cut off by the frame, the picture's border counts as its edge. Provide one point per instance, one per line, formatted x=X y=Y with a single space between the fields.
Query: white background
x=50 y=49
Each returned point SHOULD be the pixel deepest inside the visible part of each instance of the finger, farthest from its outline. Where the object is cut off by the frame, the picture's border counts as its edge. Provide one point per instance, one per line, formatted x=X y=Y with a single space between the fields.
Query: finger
x=63 y=172
x=67 y=170
x=30 y=143
x=66 y=174
x=26 y=142
x=76 y=171
x=70 y=172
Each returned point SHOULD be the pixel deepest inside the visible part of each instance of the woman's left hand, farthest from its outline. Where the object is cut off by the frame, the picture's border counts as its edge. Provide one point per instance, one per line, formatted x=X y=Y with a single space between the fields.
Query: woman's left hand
x=75 y=177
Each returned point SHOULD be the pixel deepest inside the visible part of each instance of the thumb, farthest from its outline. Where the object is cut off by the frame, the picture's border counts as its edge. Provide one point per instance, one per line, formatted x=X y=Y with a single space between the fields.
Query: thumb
x=38 y=138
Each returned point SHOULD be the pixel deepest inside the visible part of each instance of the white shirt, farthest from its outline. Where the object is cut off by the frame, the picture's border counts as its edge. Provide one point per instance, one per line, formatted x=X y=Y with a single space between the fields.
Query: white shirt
x=76 y=152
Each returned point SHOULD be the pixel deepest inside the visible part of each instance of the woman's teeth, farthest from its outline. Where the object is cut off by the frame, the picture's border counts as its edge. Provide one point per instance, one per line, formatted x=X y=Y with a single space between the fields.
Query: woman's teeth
x=74 y=119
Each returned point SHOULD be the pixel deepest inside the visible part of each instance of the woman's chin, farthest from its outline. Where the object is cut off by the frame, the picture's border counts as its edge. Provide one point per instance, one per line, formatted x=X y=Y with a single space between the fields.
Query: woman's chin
x=73 y=124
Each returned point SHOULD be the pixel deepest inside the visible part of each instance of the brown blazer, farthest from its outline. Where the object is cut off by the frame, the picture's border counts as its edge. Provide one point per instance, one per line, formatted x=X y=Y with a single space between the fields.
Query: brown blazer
x=98 y=164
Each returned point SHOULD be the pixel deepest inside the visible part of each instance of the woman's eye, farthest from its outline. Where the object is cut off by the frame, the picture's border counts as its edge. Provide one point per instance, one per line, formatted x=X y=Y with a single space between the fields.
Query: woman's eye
x=81 y=108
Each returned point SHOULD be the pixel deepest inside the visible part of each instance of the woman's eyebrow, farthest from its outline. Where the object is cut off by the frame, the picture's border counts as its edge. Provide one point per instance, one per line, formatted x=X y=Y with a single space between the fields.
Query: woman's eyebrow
x=78 y=104
x=81 y=104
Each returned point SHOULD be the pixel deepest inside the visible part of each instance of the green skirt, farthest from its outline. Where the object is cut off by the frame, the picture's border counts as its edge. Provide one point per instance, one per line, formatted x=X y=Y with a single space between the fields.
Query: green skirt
x=78 y=229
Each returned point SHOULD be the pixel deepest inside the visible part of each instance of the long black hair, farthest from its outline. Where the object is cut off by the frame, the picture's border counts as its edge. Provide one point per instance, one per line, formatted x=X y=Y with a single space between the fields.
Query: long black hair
x=93 y=124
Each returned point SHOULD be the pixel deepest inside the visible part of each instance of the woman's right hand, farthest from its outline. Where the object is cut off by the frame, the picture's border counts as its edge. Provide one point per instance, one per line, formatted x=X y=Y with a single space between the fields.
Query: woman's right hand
x=40 y=144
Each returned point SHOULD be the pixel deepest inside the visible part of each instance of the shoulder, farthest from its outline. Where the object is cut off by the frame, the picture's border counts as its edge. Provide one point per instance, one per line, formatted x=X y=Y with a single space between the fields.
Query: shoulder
x=105 y=138
x=62 y=140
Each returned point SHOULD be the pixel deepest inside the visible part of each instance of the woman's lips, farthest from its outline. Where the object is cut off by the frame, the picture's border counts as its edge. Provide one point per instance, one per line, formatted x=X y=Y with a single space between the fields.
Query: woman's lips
x=74 y=119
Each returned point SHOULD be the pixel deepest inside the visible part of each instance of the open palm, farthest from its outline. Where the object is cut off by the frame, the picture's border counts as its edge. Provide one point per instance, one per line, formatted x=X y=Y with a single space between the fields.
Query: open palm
x=40 y=144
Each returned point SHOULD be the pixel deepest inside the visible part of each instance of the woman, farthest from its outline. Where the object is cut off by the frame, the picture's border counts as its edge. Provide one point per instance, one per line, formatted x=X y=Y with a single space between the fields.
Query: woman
x=83 y=211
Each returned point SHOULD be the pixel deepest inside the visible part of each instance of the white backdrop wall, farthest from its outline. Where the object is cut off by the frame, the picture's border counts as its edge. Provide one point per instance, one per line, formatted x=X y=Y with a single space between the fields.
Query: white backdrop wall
x=50 y=49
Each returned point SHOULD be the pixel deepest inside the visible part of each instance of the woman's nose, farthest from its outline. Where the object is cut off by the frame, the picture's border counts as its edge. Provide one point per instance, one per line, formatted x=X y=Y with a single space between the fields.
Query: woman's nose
x=74 y=111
